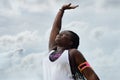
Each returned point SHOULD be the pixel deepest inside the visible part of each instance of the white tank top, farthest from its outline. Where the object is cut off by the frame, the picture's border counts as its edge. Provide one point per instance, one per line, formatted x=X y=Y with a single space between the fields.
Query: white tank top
x=57 y=70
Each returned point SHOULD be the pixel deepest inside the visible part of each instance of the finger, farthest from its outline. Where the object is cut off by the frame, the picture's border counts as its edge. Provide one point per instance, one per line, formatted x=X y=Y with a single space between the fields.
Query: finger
x=69 y=4
x=77 y=5
x=72 y=7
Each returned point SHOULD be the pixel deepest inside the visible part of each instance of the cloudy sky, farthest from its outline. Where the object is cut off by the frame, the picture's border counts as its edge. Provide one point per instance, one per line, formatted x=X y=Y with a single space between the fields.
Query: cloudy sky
x=24 y=31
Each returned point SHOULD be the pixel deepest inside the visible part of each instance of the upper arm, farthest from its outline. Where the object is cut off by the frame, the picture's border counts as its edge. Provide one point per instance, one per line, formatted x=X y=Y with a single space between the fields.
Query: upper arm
x=53 y=34
x=88 y=72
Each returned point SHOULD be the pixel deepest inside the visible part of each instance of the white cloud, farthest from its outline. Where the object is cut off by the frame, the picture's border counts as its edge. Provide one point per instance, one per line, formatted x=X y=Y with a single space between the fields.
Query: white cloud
x=25 y=39
x=17 y=66
x=77 y=26
x=102 y=62
x=12 y=9
x=17 y=7
x=22 y=37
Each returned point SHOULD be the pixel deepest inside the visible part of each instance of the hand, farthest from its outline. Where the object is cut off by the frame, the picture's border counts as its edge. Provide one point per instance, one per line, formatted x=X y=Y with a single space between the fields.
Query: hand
x=69 y=6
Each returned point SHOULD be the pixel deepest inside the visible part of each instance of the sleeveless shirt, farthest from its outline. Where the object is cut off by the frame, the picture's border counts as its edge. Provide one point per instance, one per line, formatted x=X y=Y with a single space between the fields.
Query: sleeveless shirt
x=57 y=70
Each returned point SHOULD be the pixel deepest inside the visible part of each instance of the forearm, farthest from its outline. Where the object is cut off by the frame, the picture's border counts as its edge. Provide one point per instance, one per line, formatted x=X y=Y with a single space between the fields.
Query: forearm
x=58 y=20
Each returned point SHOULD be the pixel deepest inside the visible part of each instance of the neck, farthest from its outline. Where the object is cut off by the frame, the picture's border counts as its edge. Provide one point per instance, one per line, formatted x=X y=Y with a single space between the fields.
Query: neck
x=61 y=49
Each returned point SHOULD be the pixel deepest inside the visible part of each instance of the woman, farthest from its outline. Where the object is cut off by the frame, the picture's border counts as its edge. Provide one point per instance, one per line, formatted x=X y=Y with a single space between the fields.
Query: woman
x=62 y=46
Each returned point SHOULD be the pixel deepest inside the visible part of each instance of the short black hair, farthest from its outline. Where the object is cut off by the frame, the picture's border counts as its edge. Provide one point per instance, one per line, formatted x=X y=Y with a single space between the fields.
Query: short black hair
x=75 y=39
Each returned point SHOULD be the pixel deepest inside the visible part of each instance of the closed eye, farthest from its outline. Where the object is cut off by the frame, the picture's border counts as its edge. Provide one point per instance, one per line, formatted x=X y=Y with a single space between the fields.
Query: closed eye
x=60 y=34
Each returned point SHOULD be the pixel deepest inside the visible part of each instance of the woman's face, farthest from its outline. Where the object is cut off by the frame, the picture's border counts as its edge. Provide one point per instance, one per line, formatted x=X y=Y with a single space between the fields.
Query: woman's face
x=63 y=39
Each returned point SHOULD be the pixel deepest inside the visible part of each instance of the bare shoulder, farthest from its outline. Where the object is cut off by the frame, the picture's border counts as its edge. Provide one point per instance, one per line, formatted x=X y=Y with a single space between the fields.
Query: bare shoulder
x=77 y=55
x=74 y=52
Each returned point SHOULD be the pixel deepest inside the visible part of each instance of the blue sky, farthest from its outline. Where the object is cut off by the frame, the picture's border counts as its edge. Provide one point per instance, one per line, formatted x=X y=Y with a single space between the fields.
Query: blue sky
x=24 y=31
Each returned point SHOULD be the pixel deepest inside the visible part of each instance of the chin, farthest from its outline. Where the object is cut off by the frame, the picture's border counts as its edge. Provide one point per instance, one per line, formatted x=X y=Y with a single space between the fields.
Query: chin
x=57 y=42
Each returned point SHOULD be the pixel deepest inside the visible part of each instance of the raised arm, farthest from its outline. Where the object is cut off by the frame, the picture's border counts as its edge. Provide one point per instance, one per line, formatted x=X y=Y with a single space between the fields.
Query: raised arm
x=57 y=25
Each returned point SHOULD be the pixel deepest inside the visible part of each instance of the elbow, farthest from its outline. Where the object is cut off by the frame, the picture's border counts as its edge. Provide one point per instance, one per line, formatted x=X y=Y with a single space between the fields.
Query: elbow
x=93 y=77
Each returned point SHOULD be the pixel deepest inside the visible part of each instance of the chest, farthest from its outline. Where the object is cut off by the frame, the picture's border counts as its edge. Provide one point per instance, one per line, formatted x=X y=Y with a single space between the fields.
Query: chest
x=61 y=59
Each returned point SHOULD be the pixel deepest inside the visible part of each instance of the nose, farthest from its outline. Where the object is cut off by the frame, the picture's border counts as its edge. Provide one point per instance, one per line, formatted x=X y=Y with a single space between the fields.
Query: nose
x=58 y=36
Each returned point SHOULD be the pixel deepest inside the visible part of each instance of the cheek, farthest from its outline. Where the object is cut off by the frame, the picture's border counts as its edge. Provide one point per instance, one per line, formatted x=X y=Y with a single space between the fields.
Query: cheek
x=66 y=40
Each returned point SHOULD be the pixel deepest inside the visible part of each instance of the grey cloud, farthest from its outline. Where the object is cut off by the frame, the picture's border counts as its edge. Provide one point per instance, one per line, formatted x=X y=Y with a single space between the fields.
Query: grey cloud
x=112 y=3
x=97 y=33
x=5 y=4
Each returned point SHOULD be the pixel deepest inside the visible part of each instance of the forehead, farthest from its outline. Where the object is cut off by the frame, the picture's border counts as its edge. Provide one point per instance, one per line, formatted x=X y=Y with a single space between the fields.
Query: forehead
x=65 y=32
